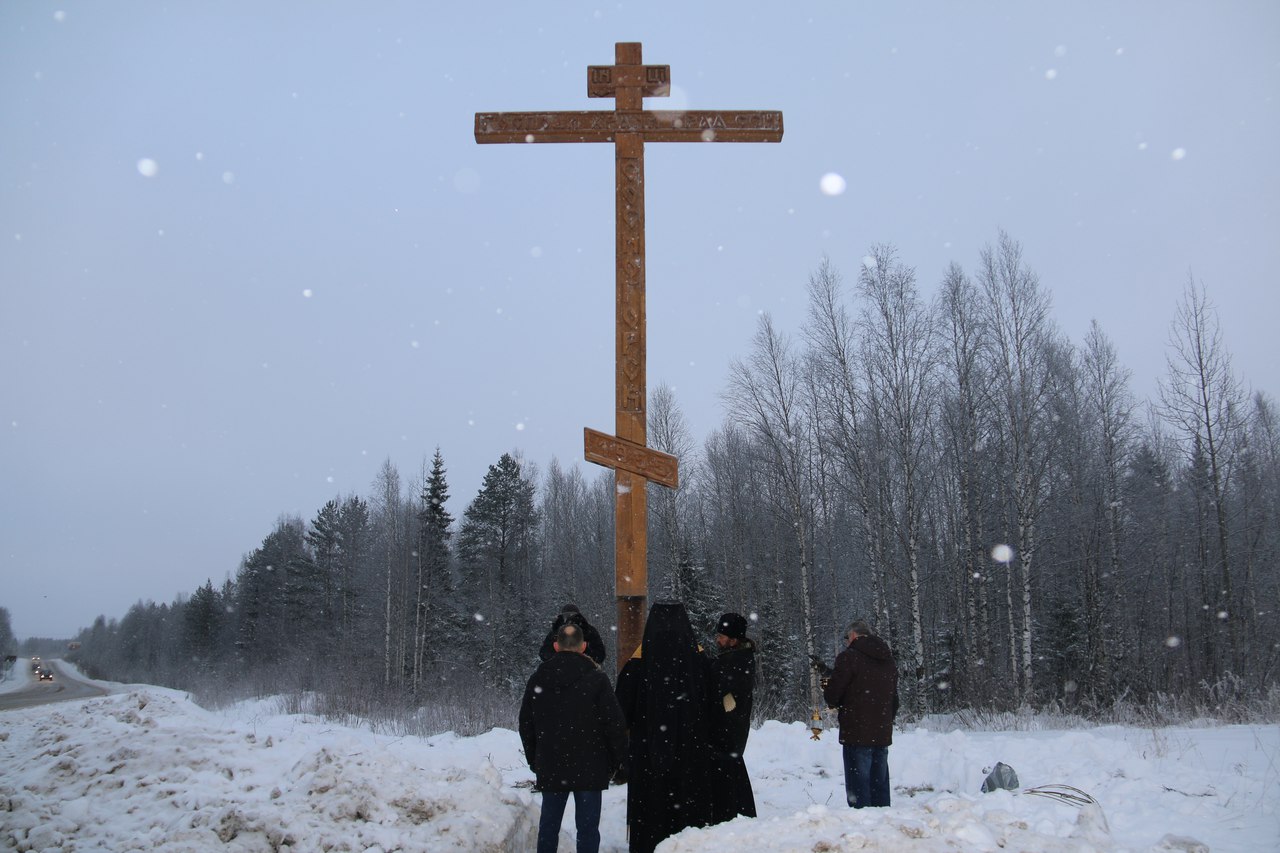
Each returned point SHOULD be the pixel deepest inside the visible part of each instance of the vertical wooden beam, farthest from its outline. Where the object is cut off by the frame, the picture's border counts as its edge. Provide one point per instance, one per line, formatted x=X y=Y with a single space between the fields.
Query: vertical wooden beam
x=631 y=569
x=631 y=508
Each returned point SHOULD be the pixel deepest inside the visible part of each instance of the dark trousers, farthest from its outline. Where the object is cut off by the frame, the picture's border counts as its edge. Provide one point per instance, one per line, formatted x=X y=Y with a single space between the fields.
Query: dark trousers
x=866 y=775
x=586 y=808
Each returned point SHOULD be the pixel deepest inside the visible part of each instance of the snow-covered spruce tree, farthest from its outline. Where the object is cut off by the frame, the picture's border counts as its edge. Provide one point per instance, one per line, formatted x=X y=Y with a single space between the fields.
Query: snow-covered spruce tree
x=202 y=630
x=263 y=628
x=323 y=539
x=354 y=590
x=8 y=643
x=495 y=549
x=435 y=614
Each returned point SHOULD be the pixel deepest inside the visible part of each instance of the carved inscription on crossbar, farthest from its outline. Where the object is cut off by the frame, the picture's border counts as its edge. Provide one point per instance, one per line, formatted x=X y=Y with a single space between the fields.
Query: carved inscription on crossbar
x=653 y=125
x=612 y=452
x=604 y=81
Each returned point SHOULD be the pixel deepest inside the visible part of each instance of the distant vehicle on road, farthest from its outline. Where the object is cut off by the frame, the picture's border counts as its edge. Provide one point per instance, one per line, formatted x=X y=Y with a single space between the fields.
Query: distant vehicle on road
x=61 y=683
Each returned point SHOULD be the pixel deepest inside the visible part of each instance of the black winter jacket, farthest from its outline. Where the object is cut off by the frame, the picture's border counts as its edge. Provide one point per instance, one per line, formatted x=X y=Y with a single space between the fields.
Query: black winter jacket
x=864 y=686
x=735 y=672
x=571 y=726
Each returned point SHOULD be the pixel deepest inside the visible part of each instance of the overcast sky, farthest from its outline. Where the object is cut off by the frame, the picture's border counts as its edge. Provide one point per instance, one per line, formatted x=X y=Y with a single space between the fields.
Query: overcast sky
x=250 y=250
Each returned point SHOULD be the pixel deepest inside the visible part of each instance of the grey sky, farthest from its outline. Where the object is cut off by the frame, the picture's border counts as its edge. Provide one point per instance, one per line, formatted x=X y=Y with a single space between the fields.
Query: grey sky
x=176 y=178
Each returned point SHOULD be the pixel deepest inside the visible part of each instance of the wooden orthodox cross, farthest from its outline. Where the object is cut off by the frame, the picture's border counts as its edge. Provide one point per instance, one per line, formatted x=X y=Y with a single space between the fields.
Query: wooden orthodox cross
x=628 y=126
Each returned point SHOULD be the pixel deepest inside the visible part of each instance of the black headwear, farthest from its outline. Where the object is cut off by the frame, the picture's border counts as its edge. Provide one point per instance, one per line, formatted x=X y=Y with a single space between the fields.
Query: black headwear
x=732 y=625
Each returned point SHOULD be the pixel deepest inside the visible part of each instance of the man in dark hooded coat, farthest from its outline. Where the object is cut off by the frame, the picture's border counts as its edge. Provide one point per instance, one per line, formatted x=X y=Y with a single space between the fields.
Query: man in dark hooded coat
x=665 y=691
x=570 y=614
x=864 y=686
x=734 y=671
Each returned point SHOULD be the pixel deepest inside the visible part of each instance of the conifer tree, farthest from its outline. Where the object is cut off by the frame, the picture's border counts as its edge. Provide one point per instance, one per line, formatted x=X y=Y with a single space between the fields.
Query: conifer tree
x=262 y=590
x=436 y=613
x=495 y=547
x=202 y=621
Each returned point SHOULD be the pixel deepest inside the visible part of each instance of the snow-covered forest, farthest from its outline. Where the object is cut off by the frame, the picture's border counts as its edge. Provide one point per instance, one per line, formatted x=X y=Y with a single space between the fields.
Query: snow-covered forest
x=1022 y=526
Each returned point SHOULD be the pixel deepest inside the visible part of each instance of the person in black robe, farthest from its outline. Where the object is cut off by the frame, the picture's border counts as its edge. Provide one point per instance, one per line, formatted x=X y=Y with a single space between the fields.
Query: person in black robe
x=665 y=692
x=734 y=670
x=570 y=614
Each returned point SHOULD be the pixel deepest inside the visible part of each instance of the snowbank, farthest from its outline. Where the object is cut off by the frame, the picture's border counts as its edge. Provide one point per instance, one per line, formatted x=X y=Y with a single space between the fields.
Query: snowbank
x=147 y=769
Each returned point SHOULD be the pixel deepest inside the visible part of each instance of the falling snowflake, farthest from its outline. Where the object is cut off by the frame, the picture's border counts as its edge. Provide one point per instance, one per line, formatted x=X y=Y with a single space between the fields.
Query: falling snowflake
x=832 y=184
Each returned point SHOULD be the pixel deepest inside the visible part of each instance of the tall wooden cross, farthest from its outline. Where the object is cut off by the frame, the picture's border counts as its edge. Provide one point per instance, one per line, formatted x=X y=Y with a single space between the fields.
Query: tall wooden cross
x=628 y=126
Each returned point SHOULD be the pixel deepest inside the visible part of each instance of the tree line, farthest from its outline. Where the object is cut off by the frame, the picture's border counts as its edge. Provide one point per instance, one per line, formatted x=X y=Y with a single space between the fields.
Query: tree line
x=991 y=496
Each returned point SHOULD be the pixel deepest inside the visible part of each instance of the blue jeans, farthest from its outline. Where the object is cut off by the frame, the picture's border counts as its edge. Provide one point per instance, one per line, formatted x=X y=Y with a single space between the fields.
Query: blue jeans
x=586 y=807
x=866 y=775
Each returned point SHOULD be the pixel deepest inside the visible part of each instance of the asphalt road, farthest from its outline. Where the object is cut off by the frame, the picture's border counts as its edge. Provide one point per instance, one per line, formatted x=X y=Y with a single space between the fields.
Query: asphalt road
x=63 y=687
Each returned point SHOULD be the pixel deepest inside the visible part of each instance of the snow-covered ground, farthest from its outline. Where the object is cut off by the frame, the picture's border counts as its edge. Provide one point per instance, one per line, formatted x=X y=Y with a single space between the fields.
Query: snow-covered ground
x=146 y=769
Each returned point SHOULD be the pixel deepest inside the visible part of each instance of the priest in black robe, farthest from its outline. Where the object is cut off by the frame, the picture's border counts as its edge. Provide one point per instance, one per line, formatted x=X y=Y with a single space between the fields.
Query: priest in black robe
x=665 y=691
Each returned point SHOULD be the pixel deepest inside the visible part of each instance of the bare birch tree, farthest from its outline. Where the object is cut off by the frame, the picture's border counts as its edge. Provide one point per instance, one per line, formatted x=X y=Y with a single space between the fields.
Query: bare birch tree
x=1203 y=400
x=766 y=396
x=1021 y=337
x=966 y=436
x=900 y=361
x=670 y=550
x=845 y=429
x=390 y=538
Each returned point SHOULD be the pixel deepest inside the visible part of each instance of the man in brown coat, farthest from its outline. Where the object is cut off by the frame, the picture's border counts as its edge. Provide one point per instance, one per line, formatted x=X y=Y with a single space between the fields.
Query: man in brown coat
x=864 y=686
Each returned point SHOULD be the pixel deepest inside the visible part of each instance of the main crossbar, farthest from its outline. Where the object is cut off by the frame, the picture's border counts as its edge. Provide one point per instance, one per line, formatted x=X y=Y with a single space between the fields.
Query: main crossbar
x=651 y=125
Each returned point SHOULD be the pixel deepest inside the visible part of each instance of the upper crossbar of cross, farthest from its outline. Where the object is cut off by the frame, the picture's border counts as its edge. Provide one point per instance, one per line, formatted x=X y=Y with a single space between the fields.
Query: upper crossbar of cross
x=628 y=82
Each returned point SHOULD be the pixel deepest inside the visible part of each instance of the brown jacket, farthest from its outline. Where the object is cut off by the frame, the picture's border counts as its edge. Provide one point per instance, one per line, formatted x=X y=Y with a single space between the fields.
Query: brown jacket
x=864 y=686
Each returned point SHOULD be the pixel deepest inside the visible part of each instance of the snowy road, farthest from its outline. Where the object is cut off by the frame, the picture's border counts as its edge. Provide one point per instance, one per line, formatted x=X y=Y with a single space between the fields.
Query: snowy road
x=25 y=692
